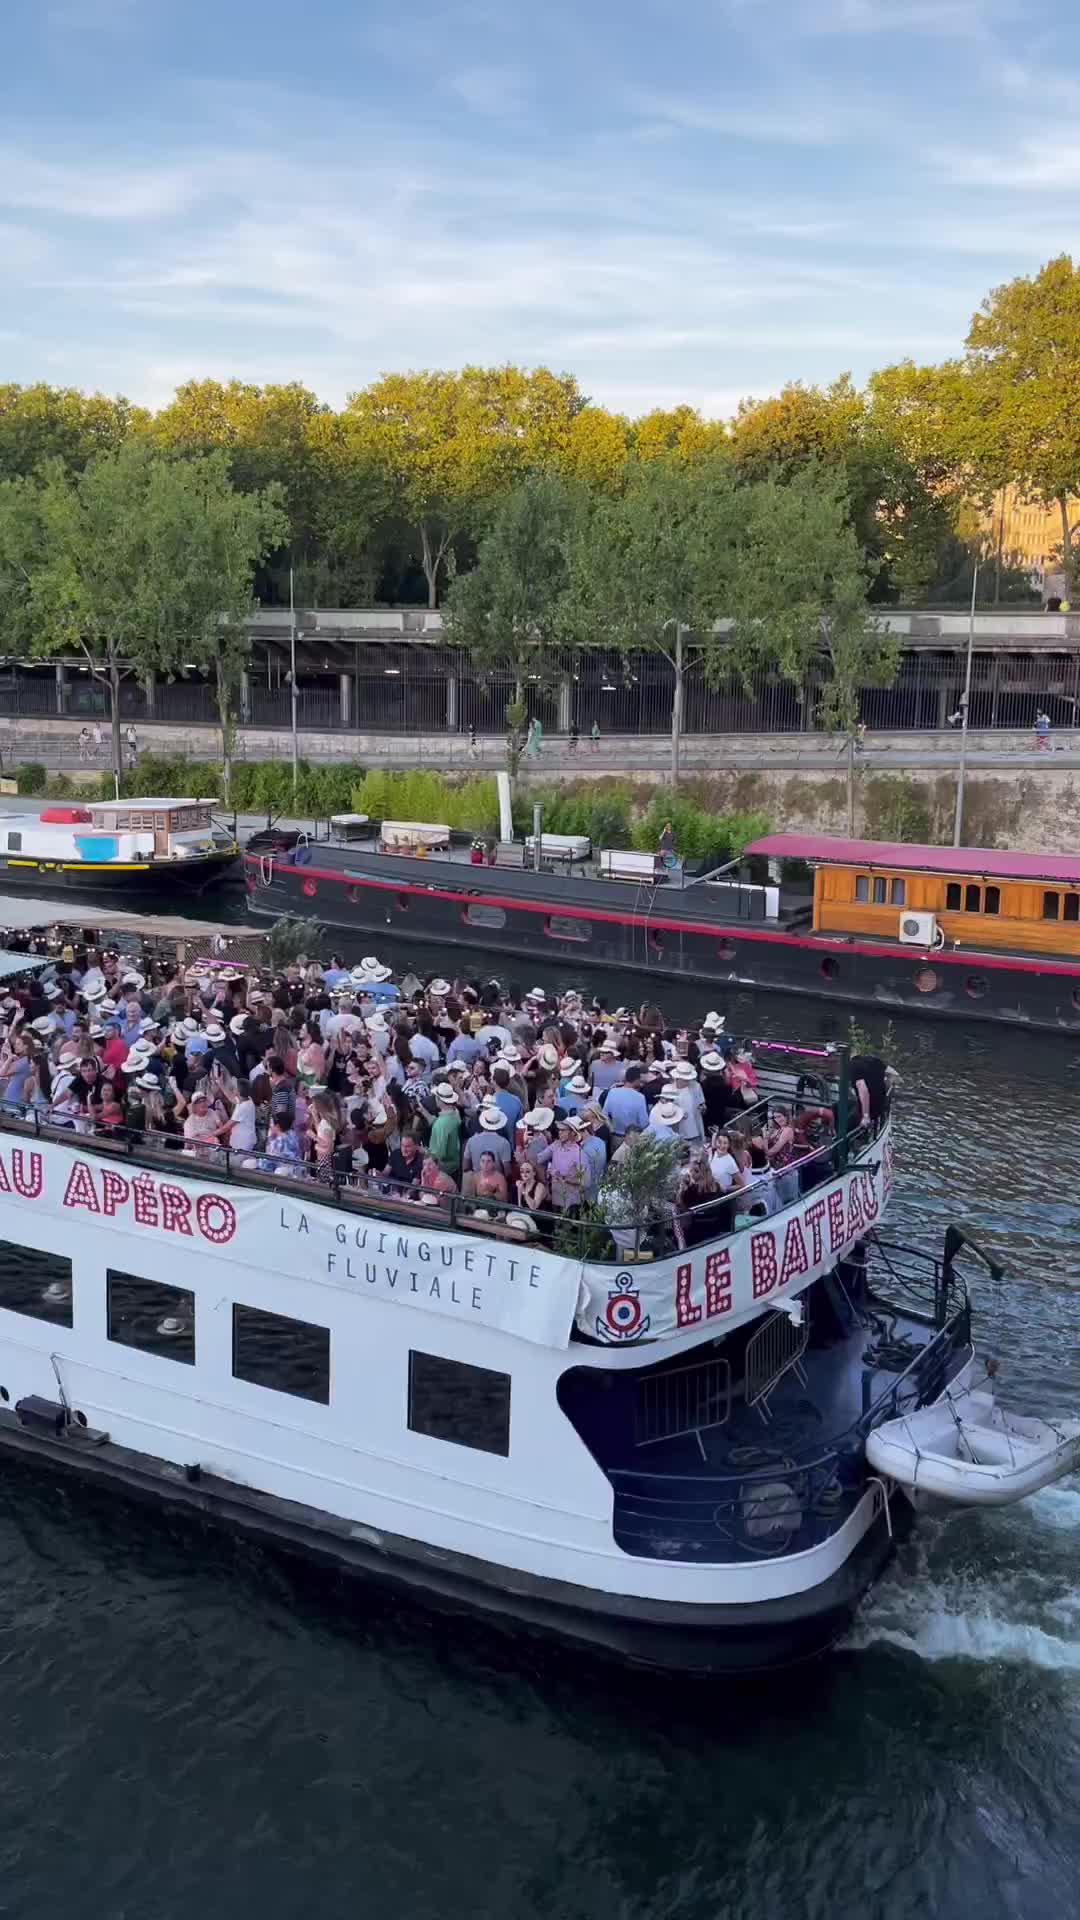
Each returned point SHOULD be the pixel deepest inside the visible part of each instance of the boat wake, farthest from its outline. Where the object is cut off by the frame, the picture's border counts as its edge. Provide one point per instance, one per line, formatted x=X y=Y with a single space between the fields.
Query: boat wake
x=1022 y=1609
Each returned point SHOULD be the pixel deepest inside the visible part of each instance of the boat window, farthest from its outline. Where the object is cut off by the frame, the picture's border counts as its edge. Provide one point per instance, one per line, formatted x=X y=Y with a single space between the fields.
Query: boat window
x=1071 y=910
x=1050 y=906
x=14 y=841
x=879 y=890
x=560 y=926
x=479 y=916
x=953 y=896
x=992 y=900
x=862 y=886
x=469 y=1406
x=972 y=899
x=150 y=1316
x=897 y=893
x=35 y=1283
x=160 y=820
x=272 y=1350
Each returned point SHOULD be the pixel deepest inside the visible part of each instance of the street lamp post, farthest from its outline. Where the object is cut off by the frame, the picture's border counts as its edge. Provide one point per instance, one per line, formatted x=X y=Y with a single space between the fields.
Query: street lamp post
x=965 y=702
x=292 y=685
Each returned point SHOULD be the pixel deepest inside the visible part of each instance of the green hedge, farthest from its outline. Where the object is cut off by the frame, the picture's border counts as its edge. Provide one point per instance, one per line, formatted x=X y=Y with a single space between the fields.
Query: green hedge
x=258 y=786
x=472 y=806
x=609 y=817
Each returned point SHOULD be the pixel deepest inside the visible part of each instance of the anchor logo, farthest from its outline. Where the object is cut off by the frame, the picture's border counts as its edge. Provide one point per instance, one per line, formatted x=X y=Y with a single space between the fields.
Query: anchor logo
x=622 y=1318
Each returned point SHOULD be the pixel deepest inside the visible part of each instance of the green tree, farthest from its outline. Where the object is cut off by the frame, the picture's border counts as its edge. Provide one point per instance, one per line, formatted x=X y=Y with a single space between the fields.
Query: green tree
x=40 y=423
x=127 y=563
x=208 y=537
x=1022 y=413
x=453 y=443
x=513 y=610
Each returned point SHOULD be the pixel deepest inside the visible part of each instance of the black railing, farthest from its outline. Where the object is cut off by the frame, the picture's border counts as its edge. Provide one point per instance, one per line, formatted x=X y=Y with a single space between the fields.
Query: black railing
x=779 y=1503
x=424 y=687
x=584 y=1238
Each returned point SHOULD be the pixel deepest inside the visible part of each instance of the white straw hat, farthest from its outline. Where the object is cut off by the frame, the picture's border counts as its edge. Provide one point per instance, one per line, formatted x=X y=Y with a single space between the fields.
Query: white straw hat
x=446 y=1094
x=668 y=1113
x=682 y=1070
x=712 y=1062
x=492 y=1119
x=538 y=1119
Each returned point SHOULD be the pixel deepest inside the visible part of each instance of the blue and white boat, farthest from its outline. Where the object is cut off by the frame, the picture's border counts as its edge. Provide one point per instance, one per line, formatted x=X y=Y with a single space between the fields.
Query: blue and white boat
x=122 y=846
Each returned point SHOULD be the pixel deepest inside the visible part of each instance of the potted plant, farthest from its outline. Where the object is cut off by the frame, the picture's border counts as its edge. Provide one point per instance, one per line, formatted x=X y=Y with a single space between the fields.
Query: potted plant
x=638 y=1190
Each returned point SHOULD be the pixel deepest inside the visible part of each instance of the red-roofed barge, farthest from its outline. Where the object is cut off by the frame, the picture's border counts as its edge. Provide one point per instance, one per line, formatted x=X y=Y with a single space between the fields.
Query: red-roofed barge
x=963 y=932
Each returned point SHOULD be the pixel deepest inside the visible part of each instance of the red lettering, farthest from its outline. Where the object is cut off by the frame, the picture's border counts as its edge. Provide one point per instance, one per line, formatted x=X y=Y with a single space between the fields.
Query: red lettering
x=114 y=1191
x=871 y=1206
x=216 y=1218
x=763 y=1265
x=686 y=1314
x=144 y=1193
x=175 y=1209
x=855 y=1212
x=29 y=1185
x=812 y=1218
x=836 y=1219
x=795 y=1260
x=79 y=1191
x=718 y=1282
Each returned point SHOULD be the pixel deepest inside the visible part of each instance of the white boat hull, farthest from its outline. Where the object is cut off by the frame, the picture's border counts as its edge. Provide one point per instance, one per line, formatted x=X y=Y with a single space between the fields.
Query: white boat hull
x=969 y=1451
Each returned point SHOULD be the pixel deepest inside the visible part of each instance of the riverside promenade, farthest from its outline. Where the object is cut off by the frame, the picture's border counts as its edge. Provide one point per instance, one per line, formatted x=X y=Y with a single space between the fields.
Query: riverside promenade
x=55 y=744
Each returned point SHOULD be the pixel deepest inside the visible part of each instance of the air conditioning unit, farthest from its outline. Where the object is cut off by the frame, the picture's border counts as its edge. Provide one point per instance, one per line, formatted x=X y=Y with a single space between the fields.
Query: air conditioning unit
x=919 y=930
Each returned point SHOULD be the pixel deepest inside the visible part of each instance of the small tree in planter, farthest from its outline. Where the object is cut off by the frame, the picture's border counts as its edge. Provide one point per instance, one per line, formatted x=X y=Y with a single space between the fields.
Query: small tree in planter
x=638 y=1190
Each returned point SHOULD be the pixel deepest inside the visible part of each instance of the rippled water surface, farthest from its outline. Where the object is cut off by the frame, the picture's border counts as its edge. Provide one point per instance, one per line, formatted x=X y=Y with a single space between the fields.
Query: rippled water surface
x=189 y=1728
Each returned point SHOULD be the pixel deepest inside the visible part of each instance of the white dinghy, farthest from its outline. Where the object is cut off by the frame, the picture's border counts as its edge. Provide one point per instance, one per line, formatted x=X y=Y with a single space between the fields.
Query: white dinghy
x=968 y=1449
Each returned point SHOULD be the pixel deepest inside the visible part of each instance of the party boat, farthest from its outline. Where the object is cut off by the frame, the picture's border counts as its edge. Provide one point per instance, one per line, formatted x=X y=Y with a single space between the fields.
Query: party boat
x=660 y=1454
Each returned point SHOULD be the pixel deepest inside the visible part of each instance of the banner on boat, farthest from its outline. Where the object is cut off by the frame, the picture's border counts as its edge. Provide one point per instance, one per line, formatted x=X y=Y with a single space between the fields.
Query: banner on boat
x=730 y=1281
x=466 y=1277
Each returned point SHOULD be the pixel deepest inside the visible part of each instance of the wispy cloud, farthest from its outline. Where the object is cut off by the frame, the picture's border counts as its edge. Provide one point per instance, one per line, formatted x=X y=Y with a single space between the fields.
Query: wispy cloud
x=496 y=91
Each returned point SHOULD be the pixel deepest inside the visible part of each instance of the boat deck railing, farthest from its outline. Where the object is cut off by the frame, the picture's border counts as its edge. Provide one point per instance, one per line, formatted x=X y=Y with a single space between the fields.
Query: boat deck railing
x=779 y=1502
x=585 y=1237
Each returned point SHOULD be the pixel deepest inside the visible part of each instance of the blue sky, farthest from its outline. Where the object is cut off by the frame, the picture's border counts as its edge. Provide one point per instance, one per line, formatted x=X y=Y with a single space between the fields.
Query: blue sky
x=695 y=201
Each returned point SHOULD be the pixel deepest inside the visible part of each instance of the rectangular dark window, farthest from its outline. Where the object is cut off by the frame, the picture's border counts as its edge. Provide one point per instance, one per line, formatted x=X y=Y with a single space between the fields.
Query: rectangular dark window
x=290 y=1356
x=480 y=916
x=972 y=899
x=953 y=897
x=35 y=1283
x=150 y=1316
x=879 y=891
x=1072 y=907
x=561 y=926
x=897 y=893
x=992 y=900
x=1050 y=906
x=469 y=1406
x=14 y=841
x=862 y=886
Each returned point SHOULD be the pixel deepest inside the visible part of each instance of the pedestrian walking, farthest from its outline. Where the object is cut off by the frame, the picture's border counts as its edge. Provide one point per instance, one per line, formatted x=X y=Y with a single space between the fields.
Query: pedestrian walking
x=1042 y=730
x=595 y=735
x=575 y=736
x=84 y=743
x=96 y=738
x=132 y=740
x=474 y=744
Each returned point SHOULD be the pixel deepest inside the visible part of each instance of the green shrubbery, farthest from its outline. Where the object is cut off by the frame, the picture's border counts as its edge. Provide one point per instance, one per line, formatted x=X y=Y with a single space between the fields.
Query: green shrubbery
x=609 y=817
x=258 y=786
x=472 y=806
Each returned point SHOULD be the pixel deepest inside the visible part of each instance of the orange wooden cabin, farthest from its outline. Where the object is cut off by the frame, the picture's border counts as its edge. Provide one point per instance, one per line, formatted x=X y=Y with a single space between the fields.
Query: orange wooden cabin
x=981 y=897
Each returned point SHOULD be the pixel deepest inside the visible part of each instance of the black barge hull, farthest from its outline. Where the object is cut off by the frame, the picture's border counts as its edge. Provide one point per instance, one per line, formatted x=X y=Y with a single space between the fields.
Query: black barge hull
x=669 y=933
x=139 y=880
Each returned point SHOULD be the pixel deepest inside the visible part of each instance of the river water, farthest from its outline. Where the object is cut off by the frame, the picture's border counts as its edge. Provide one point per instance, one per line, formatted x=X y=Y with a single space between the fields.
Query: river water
x=190 y=1726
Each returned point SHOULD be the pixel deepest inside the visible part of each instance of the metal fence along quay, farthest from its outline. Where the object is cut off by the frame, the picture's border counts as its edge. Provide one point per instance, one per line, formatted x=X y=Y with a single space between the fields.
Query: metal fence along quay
x=397 y=683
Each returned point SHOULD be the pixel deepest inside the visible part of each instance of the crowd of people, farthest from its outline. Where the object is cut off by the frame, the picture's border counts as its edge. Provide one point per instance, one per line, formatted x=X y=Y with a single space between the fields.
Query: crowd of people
x=420 y=1089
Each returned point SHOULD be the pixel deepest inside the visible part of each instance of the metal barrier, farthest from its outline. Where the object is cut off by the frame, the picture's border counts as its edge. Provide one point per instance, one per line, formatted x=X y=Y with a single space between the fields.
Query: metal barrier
x=686 y=1400
x=774 y=1350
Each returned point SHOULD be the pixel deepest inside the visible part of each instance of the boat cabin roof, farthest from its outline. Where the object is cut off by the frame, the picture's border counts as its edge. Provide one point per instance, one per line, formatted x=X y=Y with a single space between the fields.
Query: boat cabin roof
x=824 y=850
x=144 y=803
